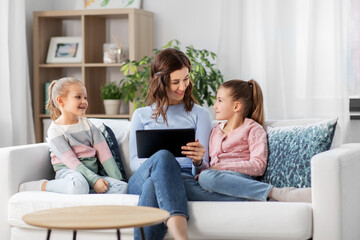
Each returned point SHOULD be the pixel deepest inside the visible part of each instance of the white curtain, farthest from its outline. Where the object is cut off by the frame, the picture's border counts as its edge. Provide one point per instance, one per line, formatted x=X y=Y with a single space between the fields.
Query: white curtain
x=354 y=49
x=295 y=49
x=16 y=122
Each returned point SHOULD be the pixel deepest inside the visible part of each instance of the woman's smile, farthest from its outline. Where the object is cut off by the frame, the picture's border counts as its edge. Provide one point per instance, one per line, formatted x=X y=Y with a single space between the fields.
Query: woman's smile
x=180 y=93
x=179 y=81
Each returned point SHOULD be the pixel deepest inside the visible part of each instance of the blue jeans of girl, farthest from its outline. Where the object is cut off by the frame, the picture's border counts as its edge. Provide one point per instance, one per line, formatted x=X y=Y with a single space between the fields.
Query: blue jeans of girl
x=69 y=181
x=234 y=184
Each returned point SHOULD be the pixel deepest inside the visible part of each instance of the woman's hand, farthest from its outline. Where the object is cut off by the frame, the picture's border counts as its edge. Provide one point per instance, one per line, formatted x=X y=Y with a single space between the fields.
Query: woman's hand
x=101 y=185
x=195 y=151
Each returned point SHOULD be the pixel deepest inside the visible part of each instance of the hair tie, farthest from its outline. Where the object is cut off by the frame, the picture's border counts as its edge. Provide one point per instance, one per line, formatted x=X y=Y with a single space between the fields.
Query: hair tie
x=250 y=84
x=159 y=73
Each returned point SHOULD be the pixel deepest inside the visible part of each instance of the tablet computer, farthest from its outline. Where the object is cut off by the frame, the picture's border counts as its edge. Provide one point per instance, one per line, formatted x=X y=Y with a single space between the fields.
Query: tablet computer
x=150 y=141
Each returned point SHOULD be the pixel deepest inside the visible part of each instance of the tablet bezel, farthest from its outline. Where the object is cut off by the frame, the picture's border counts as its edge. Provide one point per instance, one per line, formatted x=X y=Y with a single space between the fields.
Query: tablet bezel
x=168 y=139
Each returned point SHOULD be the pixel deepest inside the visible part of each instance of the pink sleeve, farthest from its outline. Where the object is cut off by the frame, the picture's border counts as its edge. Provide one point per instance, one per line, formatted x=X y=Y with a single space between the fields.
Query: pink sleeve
x=103 y=151
x=211 y=147
x=258 y=152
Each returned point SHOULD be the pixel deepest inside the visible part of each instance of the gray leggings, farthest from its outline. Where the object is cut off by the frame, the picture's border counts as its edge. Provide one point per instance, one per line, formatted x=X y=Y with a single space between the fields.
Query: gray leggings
x=69 y=181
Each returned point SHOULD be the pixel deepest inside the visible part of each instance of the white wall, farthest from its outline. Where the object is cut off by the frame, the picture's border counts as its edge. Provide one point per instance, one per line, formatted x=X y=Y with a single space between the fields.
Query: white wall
x=195 y=22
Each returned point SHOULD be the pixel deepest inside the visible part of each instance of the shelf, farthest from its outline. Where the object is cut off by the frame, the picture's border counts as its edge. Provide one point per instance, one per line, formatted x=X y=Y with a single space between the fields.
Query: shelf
x=104 y=64
x=75 y=65
x=60 y=65
x=66 y=14
x=118 y=116
x=134 y=28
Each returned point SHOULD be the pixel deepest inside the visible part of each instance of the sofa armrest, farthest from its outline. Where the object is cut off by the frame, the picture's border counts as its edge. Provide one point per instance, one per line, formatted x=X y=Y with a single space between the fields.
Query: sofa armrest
x=336 y=193
x=24 y=163
x=20 y=164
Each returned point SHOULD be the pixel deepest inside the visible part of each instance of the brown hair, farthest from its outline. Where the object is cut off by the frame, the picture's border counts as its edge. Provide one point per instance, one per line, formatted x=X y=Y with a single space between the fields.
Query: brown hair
x=164 y=63
x=59 y=88
x=250 y=95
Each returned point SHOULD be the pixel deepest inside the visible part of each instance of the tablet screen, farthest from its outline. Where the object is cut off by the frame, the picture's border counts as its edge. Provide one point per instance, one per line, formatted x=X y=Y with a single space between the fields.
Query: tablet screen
x=150 y=141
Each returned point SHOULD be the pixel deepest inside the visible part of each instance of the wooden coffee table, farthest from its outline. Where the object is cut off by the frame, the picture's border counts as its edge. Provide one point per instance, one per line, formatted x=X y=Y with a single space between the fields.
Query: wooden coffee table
x=96 y=217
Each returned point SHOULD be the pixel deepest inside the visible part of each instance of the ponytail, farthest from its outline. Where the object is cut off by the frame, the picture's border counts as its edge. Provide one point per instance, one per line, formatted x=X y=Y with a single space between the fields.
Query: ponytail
x=250 y=95
x=51 y=105
x=257 y=112
x=59 y=88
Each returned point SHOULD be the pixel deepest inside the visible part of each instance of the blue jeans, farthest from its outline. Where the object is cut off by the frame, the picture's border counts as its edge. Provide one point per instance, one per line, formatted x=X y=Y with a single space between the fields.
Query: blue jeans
x=159 y=184
x=195 y=192
x=234 y=184
x=69 y=181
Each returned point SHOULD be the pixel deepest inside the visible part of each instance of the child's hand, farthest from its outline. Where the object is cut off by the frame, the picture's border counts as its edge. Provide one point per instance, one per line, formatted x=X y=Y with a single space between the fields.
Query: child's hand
x=101 y=186
x=216 y=167
x=196 y=178
x=195 y=151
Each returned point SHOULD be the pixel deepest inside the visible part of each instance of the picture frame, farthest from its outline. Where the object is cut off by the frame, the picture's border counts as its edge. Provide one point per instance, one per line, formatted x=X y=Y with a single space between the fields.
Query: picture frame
x=65 y=50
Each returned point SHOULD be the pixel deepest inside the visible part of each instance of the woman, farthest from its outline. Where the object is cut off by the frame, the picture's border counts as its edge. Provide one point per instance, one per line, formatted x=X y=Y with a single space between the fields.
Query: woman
x=162 y=180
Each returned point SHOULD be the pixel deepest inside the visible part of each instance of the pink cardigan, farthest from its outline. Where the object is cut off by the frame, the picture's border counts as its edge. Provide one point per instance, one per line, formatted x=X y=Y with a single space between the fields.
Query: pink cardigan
x=243 y=150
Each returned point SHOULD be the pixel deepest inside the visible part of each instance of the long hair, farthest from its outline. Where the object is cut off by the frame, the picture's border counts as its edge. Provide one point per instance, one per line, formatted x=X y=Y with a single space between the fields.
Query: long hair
x=250 y=95
x=59 y=88
x=164 y=63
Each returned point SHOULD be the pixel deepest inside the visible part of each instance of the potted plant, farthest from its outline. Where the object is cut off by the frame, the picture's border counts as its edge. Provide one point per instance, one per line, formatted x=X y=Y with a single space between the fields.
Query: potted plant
x=206 y=78
x=111 y=95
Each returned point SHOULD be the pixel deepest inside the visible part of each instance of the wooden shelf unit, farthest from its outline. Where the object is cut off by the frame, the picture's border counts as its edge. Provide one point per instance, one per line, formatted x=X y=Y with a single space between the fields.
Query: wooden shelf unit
x=133 y=27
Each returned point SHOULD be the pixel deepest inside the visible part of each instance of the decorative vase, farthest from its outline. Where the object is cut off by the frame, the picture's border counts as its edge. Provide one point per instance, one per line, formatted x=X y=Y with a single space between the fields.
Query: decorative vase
x=112 y=106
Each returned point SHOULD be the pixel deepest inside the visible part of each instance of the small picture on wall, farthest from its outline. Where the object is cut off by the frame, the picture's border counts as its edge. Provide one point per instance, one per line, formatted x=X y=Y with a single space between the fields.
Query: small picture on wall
x=64 y=50
x=99 y=4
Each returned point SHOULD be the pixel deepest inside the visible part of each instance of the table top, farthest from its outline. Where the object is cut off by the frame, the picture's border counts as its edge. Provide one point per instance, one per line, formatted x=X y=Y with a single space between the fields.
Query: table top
x=96 y=217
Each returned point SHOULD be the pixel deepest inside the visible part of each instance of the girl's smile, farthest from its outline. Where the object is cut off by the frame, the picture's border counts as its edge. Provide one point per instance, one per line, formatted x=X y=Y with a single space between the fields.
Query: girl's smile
x=72 y=105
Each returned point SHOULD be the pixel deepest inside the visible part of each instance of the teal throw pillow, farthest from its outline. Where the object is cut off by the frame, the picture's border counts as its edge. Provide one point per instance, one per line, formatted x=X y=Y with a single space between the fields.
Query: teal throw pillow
x=290 y=152
x=114 y=148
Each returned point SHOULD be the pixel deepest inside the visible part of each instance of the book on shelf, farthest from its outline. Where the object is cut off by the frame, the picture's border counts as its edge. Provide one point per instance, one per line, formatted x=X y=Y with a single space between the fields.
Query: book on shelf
x=47 y=84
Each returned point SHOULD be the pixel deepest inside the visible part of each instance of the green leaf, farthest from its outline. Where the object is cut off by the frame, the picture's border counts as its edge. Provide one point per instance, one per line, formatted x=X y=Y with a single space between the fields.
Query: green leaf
x=111 y=91
x=133 y=69
x=104 y=3
x=125 y=69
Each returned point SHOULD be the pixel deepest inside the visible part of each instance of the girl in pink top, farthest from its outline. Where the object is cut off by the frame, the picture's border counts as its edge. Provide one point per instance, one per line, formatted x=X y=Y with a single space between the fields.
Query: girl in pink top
x=238 y=147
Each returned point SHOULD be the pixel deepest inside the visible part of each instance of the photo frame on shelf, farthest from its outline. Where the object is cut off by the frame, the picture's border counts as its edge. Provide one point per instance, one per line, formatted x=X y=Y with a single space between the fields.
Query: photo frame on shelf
x=65 y=50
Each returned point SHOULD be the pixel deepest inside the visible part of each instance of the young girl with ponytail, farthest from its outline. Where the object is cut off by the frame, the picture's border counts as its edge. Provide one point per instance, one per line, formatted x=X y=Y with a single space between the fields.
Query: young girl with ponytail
x=76 y=146
x=238 y=147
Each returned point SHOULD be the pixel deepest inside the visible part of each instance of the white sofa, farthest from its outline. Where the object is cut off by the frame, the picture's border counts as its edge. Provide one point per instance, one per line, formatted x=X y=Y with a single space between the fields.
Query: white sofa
x=333 y=214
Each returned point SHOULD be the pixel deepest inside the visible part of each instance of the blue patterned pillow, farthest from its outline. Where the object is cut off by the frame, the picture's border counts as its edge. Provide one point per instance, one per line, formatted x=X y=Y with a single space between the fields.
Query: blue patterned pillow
x=114 y=148
x=290 y=152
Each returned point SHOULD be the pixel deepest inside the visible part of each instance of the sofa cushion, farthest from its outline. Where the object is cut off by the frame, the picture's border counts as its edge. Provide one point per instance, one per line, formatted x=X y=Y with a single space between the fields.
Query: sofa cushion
x=121 y=129
x=305 y=122
x=114 y=148
x=26 y=202
x=250 y=220
x=291 y=149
